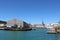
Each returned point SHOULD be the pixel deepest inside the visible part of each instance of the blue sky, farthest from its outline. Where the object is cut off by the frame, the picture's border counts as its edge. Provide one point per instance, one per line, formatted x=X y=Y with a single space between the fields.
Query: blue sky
x=31 y=11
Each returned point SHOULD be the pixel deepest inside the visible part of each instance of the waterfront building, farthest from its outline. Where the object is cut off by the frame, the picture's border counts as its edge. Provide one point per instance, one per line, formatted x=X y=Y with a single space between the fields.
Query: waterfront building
x=39 y=26
x=18 y=23
x=3 y=24
x=57 y=24
x=42 y=25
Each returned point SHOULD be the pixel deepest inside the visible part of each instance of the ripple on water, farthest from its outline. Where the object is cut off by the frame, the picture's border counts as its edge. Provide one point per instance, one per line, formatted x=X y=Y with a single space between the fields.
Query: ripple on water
x=39 y=34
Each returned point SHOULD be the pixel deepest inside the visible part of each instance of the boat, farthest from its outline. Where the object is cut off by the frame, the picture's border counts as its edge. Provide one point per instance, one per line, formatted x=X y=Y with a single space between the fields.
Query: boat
x=17 y=29
x=52 y=31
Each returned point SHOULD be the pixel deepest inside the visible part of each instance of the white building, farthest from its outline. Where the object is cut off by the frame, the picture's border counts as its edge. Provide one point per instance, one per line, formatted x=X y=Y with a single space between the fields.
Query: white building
x=53 y=25
x=39 y=26
x=2 y=24
x=57 y=24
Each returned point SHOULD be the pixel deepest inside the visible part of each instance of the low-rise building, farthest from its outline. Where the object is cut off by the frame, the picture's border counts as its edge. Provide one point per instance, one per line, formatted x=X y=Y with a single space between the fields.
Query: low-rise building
x=3 y=24
x=42 y=25
x=39 y=25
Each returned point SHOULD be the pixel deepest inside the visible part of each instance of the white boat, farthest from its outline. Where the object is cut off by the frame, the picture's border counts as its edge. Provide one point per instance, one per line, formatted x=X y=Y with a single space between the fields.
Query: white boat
x=51 y=30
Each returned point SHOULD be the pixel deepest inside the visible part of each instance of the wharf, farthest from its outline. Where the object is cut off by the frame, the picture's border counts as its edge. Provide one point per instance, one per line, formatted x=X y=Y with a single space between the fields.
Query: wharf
x=1 y=28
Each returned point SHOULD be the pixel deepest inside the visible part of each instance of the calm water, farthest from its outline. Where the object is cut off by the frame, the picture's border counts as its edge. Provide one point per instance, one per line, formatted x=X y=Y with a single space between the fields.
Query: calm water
x=28 y=35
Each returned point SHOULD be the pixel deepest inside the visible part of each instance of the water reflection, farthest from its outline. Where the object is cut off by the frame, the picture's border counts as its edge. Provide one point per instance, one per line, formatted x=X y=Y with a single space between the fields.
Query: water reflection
x=16 y=35
x=58 y=36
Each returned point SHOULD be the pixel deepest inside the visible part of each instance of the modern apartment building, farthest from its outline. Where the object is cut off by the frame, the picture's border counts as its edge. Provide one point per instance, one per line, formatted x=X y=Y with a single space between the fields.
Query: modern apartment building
x=17 y=22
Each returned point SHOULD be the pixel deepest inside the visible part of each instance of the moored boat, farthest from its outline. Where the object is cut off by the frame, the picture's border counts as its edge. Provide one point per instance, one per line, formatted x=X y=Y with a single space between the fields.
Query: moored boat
x=17 y=29
x=52 y=31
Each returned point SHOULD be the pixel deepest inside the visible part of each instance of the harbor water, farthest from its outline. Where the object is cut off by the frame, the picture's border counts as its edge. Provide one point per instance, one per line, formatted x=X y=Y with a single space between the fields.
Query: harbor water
x=38 y=34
